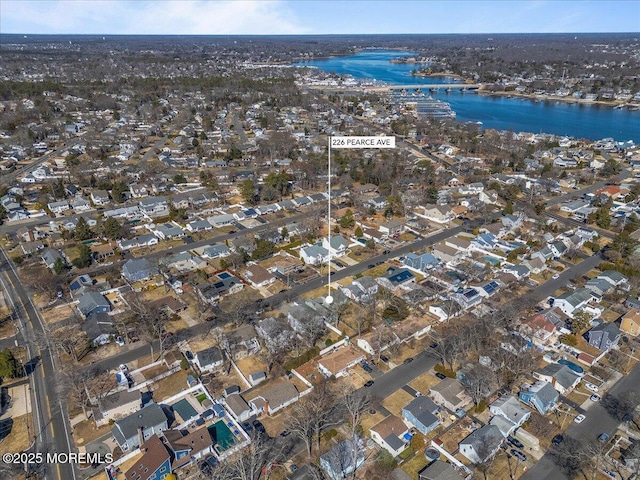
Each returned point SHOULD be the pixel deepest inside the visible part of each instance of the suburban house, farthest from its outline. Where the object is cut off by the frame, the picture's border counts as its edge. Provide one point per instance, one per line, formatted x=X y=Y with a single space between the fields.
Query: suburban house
x=614 y=278
x=337 y=246
x=140 y=426
x=439 y=470
x=242 y=342
x=99 y=197
x=343 y=458
x=337 y=363
x=314 y=254
x=99 y=328
x=138 y=269
x=573 y=300
x=396 y=278
x=511 y=410
x=450 y=394
x=482 y=444
x=362 y=290
x=604 y=335
x=155 y=463
x=216 y=251
x=302 y=318
x=423 y=262
x=541 y=396
x=154 y=207
x=421 y=413
x=445 y=253
x=116 y=405
x=258 y=276
x=275 y=398
x=391 y=227
x=167 y=231
x=238 y=407
x=392 y=434
x=50 y=256
x=208 y=359
x=93 y=302
x=198 y=226
x=560 y=376
x=186 y=447
x=276 y=333
x=630 y=322
x=435 y=213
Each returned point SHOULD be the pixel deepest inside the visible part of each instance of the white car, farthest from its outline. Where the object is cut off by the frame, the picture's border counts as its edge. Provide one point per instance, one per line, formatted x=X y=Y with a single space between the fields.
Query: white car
x=579 y=419
x=591 y=386
x=556 y=276
x=124 y=368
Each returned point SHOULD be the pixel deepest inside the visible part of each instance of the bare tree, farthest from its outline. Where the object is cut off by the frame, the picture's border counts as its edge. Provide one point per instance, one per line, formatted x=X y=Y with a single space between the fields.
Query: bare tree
x=150 y=323
x=301 y=424
x=73 y=382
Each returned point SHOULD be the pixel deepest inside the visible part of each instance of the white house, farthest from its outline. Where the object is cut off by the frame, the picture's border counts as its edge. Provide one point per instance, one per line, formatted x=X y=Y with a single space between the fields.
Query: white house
x=392 y=434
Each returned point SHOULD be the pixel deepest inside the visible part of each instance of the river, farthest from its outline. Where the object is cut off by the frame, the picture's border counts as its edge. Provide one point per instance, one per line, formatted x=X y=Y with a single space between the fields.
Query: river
x=576 y=120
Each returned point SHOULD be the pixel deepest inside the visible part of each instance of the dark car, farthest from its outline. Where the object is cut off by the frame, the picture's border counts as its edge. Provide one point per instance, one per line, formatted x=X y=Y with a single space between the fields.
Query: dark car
x=188 y=240
x=441 y=376
x=341 y=265
x=384 y=359
x=231 y=232
x=408 y=360
x=367 y=368
x=371 y=265
x=246 y=426
x=188 y=354
x=207 y=465
x=515 y=442
x=258 y=426
x=369 y=383
x=386 y=252
x=557 y=440
x=284 y=433
x=433 y=345
x=518 y=454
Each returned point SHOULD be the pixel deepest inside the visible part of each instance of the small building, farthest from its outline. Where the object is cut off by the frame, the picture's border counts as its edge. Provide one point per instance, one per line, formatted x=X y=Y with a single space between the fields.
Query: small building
x=630 y=322
x=258 y=276
x=604 y=336
x=509 y=408
x=275 y=398
x=450 y=394
x=392 y=434
x=238 y=407
x=337 y=363
x=138 y=427
x=421 y=413
x=561 y=377
x=541 y=396
x=93 y=302
x=138 y=269
x=439 y=470
x=482 y=444
x=209 y=359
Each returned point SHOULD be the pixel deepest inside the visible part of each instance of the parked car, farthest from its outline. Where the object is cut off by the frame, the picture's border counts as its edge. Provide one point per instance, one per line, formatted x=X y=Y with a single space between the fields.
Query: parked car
x=556 y=276
x=595 y=397
x=441 y=376
x=123 y=368
x=408 y=360
x=119 y=341
x=557 y=440
x=518 y=454
x=258 y=426
x=591 y=386
x=384 y=359
x=579 y=419
x=515 y=442
x=603 y=437
x=367 y=368
x=368 y=383
x=188 y=354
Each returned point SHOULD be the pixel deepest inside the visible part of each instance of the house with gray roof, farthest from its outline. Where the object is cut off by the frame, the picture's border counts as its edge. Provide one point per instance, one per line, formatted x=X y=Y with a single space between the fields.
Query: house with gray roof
x=198 y=226
x=604 y=335
x=560 y=376
x=138 y=269
x=439 y=470
x=218 y=250
x=482 y=444
x=141 y=425
x=599 y=286
x=613 y=277
x=221 y=220
x=423 y=262
x=167 y=231
x=343 y=458
x=99 y=328
x=541 y=396
x=93 y=302
x=238 y=407
x=276 y=333
x=421 y=413
x=154 y=207
x=314 y=254
x=511 y=410
x=572 y=301
x=208 y=359
x=50 y=256
x=337 y=245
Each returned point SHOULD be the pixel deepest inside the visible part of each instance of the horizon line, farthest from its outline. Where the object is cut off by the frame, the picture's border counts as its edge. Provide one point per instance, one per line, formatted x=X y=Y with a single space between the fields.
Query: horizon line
x=306 y=34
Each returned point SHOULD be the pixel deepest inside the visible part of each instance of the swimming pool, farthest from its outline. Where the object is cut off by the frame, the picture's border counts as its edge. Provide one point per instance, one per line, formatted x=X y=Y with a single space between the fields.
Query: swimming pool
x=223 y=438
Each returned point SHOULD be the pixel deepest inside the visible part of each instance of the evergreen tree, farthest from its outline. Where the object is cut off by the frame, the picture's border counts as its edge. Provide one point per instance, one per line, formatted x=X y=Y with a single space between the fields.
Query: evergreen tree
x=9 y=366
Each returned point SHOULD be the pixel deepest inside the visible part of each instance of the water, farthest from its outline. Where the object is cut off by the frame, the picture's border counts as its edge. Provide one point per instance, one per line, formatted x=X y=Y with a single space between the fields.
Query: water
x=521 y=115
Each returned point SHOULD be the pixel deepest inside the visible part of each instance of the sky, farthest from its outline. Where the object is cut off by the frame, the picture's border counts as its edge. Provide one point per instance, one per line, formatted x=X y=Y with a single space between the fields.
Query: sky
x=312 y=17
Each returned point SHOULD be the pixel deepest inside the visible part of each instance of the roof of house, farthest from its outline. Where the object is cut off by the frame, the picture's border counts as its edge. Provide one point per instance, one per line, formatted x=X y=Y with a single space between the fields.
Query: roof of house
x=90 y=301
x=136 y=265
x=236 y=403
x=127 y=427
x=576 y=297
x=449 y=389
x=562 y=374
x=195 y=441
x=340 y=359
x=510 y=408
x=484 y=439
x=609 y=327
x=391 y=429
x=209 y=356
x=439 y=470
x=155 y=454
x=257 y=274
x=423 y=409
x=544 y=391
x=279 y=394
x=98 y=324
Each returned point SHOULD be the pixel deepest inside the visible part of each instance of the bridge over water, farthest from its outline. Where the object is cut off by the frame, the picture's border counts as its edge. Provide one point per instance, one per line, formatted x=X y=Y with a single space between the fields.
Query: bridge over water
x=430 y=86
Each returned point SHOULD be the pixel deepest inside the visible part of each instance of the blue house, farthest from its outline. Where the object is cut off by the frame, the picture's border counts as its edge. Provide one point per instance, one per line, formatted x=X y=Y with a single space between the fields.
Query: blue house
x=421 y=413
x=93 y=302
x=423 y=262
x=541 y=396
x=155 y=463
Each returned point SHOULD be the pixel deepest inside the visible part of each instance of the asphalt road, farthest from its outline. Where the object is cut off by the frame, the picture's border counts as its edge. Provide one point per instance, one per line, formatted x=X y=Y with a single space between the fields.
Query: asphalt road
x=398 y=377
x=598 y=421
x=590 y=189
x=50 y=419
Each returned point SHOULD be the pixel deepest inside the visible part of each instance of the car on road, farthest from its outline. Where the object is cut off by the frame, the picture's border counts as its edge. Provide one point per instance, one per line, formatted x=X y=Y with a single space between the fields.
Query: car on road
x=515 y=442
x=603 y=437
x=518 y=454
x=418 y=394
x=556 y=276
x=368 y=383
x=441 y=376
x=386 y=252
x=408 y=360
x=579 y=419
x=591 y=386
x=371 y=265
x=595 y=397
x=557 y=440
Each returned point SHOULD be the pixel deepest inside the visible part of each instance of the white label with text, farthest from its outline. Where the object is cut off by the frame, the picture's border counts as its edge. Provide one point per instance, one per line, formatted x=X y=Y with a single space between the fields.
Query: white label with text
x=363 y=142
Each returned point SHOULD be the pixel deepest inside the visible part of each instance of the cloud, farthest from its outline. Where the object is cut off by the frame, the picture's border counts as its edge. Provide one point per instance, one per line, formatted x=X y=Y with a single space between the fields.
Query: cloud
x=197 y=17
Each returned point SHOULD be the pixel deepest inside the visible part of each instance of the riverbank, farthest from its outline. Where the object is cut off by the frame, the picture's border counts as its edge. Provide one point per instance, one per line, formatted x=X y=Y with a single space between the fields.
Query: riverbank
x=441 y=75
x=551 y=98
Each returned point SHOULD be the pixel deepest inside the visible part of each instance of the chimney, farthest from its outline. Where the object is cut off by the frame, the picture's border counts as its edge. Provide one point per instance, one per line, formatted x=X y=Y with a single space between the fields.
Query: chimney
x=140 y=436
